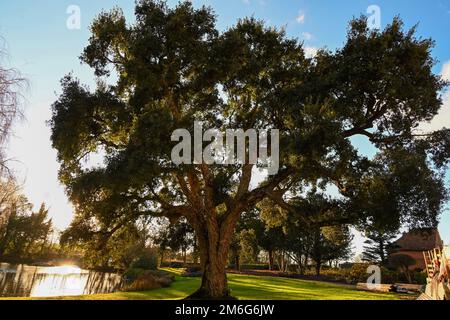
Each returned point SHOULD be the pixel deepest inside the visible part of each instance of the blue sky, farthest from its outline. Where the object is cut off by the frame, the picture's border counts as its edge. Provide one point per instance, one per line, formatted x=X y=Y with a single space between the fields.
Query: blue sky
x=44 y=49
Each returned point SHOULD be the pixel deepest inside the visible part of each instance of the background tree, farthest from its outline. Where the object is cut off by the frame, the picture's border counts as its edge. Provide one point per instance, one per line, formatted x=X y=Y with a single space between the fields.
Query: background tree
x=123 y=248
x=11 y=87
x=376 y=246
x=162 y=240
x=330 y=244
x=386 y=191
x=14 y=212
x=341 y=239
x=9 y=193
x=249 y=246
x=26 y=235
x=235 y=252
x=245 y=245
x=302 y=239
x=271 y=240
x=179 y=237
x=174 y=67
x=402 y=262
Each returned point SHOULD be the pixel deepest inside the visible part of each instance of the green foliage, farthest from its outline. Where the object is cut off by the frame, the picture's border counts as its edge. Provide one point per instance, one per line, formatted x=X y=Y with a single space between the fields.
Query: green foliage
x=377 y=245
x=192 y=271
x=253 y=266
x=25 y=235
x=305 y=239
x=117 y=251
x=402 y=263
x=144 y=280
x=132 y=273
x=147 y=260
x=420 y=277
x=176 y=264
x=249 y=246
x=330 y=243
x=176 y=237
x=358 y=273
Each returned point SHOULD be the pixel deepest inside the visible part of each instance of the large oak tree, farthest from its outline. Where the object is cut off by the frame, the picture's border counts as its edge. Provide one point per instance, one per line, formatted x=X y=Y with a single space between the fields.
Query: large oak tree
x=171 y=67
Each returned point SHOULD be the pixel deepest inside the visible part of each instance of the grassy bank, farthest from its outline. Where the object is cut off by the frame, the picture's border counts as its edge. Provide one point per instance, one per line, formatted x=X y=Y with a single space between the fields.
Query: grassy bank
x=250 y=287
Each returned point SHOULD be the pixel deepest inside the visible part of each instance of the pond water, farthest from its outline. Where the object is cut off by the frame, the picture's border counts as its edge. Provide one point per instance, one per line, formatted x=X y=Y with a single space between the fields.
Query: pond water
x=33 y=281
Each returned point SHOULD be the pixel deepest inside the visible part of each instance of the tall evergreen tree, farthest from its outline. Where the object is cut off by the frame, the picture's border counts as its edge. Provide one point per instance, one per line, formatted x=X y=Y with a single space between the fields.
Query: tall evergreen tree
x=376 y=246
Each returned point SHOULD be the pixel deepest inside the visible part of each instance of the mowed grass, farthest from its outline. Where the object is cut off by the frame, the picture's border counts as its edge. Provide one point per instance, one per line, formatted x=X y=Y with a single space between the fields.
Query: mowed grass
x=246 y=287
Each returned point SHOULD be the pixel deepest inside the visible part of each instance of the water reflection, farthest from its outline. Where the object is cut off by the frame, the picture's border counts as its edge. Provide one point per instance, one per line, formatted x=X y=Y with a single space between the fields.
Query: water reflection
x=32 y=281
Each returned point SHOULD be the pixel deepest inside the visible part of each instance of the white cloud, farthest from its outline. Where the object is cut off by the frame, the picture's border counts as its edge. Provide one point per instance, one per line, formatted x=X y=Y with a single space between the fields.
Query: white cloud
x=310 y=52
x=445 y=73
x=307 y=35
x=301 y=17
x=442 y=119
x=260 y=2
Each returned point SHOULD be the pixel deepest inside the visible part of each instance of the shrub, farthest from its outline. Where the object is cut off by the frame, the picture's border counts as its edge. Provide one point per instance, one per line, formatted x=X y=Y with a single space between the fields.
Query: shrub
x=148 y=260
x=148 y=280
x=172 y=264
x=192 y=271
x=420 y=277
x=132 y=273
x=358 y=273
x=338 y=275
x=176 y=264
x=389 y=276
x=255 y=266
x=402 y=262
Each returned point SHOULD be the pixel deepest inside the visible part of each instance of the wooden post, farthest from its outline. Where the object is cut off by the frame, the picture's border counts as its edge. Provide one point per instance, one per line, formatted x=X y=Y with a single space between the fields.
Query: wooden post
x=426 y=263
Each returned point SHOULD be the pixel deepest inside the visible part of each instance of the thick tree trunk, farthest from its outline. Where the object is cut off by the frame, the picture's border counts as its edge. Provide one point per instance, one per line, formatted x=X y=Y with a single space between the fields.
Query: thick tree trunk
x=214 y=233
x=270 y=259
x=214 y=280
x=213 y=248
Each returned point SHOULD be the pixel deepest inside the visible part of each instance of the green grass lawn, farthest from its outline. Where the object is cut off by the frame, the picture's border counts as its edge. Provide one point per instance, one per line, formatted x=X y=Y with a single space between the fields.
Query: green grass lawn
x=250 y=287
